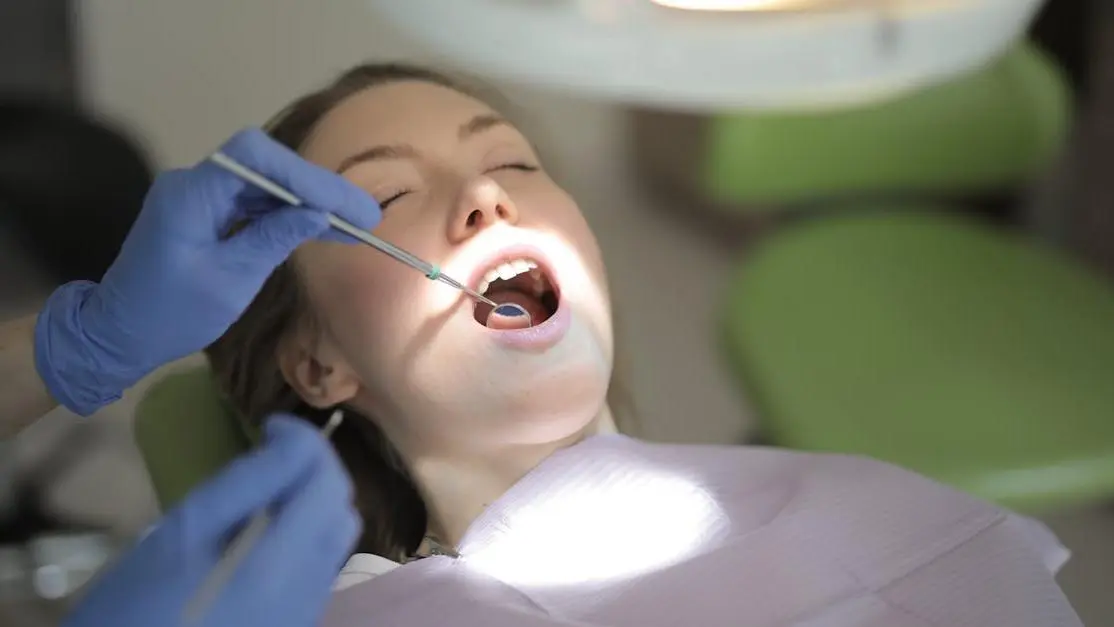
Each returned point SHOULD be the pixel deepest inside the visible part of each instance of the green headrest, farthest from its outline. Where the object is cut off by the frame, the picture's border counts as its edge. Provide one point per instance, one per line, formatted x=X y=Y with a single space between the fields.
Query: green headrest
x=186 y=433
x=977 y=357
x=993 y=128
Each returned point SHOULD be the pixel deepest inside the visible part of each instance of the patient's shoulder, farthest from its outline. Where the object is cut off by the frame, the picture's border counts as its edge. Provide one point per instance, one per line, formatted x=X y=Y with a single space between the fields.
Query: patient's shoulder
x=362 y=567
x=881 y=521
x=830 y=478
x=874 y=518
x=856 y=485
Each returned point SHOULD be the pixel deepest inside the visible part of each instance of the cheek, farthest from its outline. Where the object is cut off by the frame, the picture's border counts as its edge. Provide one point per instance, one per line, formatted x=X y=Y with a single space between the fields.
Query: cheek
x=569 y=221
x=590 y=250
x=356 y=291
x=558 y=214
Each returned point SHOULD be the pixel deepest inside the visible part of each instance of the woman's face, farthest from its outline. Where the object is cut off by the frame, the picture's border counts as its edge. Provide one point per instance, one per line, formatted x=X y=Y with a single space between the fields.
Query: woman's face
x=464 y=189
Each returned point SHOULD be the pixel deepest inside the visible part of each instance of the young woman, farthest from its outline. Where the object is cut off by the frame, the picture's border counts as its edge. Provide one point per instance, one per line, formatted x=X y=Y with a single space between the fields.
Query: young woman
x=490 y=448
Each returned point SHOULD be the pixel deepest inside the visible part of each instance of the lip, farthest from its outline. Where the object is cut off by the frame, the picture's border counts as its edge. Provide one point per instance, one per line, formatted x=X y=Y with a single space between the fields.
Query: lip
x=538 y=337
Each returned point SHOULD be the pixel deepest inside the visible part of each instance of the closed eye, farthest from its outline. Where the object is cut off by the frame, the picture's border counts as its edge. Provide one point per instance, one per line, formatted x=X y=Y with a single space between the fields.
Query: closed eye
x=383 y=204
x=524 y=167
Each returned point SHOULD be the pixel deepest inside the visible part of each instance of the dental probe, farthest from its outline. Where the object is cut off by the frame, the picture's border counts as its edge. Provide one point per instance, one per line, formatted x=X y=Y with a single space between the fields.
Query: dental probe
x=430 y=270
x=241 y=545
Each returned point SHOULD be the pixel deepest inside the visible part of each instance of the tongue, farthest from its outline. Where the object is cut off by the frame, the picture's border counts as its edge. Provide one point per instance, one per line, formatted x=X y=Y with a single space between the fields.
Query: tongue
x=530 y=303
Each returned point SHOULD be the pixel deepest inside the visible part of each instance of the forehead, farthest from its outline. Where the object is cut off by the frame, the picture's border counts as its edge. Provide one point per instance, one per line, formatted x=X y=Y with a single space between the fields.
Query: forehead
x=411 y=112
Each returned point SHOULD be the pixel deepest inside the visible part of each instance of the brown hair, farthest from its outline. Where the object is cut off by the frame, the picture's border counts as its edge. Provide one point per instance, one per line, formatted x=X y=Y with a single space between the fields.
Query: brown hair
x=244 y=360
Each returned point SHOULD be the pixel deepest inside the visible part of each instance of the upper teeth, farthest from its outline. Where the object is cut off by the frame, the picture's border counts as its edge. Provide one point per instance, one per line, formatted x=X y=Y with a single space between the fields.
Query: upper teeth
x=506 y=271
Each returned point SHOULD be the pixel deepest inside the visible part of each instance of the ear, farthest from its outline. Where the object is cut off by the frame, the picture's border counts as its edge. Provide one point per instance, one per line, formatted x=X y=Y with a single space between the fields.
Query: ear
x=317 y=371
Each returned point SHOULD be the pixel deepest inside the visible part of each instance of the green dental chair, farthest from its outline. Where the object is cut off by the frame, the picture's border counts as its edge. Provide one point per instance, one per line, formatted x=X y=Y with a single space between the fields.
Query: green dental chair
x=975 y=357
x=186 y=433
x=983 y=132
x=904 y=329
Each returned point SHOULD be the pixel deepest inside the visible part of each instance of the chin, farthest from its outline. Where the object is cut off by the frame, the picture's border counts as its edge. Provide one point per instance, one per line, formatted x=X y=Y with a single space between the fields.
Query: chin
x=523 y=396
x=547 y=428
x=560 y=391
x=463 y=379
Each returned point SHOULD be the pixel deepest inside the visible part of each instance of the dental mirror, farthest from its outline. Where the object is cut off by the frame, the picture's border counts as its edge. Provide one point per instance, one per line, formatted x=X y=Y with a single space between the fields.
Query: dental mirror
x=508 y=316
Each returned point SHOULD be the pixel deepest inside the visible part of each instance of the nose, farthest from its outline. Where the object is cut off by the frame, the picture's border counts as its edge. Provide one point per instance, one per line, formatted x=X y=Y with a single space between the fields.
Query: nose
x=482 y=203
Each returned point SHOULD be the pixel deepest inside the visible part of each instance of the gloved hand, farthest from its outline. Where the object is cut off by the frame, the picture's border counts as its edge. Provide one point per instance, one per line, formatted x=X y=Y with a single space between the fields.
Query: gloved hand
x=285 y=581
x=180 y=281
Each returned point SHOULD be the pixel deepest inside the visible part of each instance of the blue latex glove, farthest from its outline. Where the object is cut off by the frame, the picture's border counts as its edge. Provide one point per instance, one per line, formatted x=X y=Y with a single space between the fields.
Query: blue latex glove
x=179 y=282
x=285 y=581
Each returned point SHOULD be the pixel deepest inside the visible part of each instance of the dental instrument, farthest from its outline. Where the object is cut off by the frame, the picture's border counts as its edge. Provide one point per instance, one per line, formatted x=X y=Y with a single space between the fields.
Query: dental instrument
x=430 y=270
x=240 y=546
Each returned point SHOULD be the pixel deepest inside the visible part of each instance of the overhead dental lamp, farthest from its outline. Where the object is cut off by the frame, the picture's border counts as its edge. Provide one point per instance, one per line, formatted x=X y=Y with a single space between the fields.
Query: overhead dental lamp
x=717 y=54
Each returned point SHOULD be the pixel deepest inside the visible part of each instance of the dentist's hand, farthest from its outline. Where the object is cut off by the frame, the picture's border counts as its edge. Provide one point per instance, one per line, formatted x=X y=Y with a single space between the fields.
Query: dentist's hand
x=285 y=581
x=180 y=280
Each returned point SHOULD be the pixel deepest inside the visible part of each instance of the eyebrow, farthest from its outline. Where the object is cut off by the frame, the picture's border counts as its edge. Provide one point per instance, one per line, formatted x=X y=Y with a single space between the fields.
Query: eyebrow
x=479 y=124
x=475 y=126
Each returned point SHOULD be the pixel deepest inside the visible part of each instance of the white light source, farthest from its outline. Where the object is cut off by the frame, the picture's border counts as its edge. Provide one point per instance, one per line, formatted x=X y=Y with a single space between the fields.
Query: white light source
x=727 y=5
x=763 y=54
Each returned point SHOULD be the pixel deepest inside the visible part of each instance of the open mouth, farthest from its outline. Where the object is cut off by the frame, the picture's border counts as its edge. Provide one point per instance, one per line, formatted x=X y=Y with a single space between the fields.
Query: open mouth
x=520 y=281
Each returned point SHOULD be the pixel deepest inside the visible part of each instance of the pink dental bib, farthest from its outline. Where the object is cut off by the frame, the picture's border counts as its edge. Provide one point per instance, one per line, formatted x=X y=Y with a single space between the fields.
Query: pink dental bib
x=614 y=531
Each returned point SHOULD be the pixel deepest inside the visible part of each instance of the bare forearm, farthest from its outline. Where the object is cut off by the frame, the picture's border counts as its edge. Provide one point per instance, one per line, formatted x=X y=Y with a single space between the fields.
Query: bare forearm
x=23 y=396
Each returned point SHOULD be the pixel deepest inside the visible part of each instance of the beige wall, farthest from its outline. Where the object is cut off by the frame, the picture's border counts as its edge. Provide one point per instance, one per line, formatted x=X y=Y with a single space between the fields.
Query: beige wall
x=186 y=73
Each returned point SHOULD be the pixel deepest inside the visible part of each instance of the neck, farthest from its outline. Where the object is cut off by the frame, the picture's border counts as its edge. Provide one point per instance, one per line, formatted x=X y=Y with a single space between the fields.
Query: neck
x=458 y=488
